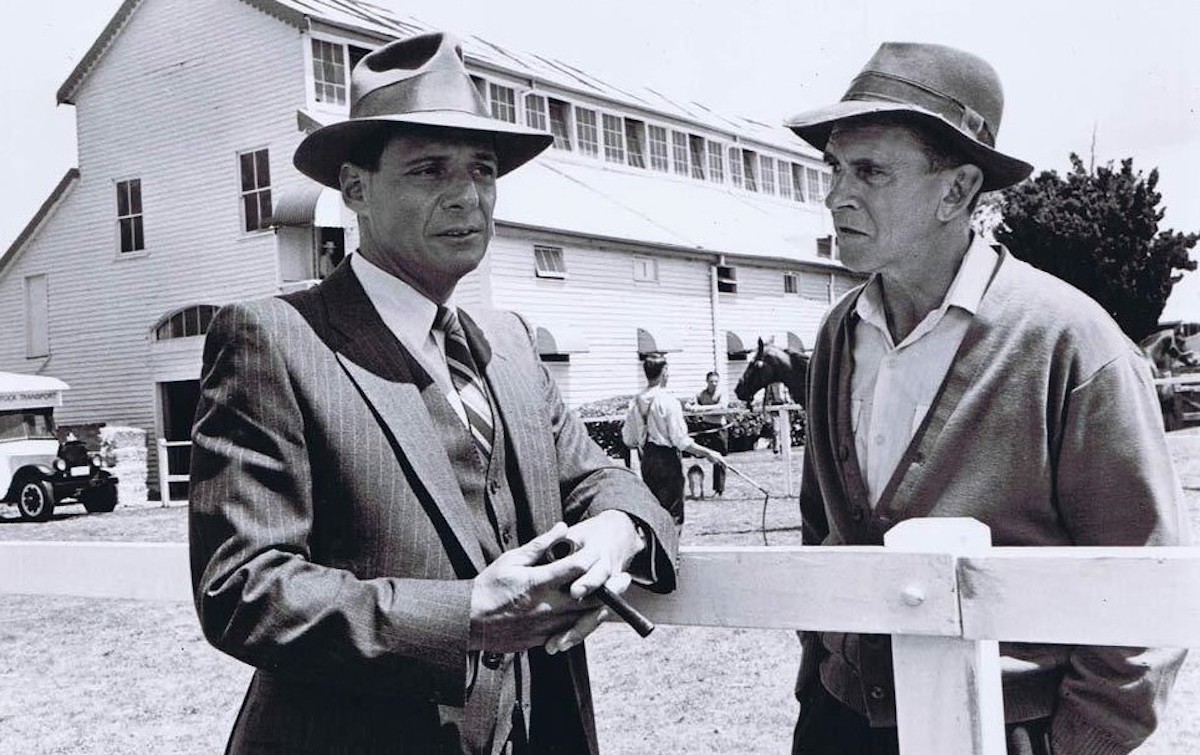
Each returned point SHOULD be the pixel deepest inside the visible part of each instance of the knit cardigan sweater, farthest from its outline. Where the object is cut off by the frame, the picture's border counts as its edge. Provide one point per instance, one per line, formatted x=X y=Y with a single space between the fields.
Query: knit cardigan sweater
x=1046 y=429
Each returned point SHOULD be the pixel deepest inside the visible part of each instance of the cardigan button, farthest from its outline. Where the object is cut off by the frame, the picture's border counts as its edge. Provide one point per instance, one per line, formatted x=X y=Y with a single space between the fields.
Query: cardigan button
x=877 y=692
x=857 y=515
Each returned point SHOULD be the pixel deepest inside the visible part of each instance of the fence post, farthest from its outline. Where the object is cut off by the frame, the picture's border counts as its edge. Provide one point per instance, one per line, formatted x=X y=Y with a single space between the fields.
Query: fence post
x=164 y=473
x=948 y=696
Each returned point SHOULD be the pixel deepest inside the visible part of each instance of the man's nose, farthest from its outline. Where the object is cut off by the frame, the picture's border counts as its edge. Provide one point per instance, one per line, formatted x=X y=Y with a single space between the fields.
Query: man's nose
x=837 y=195
x=461 y=193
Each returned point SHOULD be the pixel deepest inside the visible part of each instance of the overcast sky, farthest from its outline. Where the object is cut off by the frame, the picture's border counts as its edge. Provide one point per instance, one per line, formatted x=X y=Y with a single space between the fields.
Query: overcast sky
x=1126 y=72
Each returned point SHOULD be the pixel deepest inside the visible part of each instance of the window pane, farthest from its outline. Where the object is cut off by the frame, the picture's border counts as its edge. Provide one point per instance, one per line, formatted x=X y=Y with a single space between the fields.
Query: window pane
x=138 y=241
x=768 y=174
x=696 y=144
x=798 y=182
x=614 y=139
x=735 y=166
x=126 y=227
x=679 y=153
x=135 y=197
x=250 y=211
x=263 y=166
x=716 y=164
x=558 y=124
x=264 y=208
x=122 y=199
x=191 y=322
x=634 y=143
x=658 y=148
x=585 y=126
x=206 y=316
x=749 y=169
x=246 y=161
x=535 y=111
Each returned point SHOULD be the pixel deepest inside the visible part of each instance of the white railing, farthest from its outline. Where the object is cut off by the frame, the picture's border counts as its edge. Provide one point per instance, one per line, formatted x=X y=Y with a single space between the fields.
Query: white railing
x=165 y=475
x=937 y=586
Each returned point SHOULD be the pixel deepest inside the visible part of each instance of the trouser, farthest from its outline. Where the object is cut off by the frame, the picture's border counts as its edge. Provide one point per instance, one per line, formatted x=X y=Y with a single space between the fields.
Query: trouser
x=662 y=471
x=717 y=440
x=827 y=727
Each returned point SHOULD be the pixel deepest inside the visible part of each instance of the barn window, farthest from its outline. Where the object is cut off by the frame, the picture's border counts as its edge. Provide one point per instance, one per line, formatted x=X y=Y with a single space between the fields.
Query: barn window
x=560 y=123
x=585 y=128
x=189 y=321
x=504 y=103
x=727 y=279
x=791 y=283
x=548 y=262
x=255 y=170
x=658 y=148
x=129 y=215
x=535 y=112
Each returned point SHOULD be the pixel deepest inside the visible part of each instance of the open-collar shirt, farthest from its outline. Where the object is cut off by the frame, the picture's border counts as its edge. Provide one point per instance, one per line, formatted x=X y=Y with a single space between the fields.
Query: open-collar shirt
x=894 y=384
x=409 y=315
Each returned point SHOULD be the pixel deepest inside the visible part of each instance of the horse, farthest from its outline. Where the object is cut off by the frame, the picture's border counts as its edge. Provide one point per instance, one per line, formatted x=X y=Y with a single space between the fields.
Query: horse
x=772 y=364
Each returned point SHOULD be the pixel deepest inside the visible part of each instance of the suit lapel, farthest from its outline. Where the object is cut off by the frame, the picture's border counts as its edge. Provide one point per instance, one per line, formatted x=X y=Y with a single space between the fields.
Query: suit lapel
x=516 y=397
x=391 y=383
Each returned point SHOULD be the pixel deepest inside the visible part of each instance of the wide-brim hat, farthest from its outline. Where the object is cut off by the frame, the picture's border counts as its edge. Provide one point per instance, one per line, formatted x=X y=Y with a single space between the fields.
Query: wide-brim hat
x=956 y=92
x=419 y=81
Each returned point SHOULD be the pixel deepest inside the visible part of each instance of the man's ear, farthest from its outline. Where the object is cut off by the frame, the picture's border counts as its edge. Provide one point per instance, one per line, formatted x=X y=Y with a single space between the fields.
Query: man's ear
x=965 y=181
x=352 y=177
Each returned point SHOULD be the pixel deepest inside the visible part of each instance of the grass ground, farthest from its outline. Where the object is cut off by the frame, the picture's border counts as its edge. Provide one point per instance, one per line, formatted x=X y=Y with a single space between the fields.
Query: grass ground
x=90 y=677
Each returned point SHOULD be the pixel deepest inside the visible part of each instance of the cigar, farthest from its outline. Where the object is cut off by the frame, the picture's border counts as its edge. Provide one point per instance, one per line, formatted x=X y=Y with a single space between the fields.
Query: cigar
x=562 y=548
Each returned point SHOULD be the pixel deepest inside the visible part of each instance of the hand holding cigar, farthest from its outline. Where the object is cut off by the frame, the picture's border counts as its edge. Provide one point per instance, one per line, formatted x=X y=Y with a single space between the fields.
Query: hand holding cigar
x=562 y=548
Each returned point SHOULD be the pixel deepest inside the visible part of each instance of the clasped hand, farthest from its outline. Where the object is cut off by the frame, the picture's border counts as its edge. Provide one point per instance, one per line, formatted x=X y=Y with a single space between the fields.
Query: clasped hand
x=521 y=601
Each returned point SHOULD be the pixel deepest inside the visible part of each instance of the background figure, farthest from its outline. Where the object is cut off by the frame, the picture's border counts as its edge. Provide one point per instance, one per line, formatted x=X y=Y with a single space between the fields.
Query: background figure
x=776 y=394
x=377 y=473
x=960 y=381
x=654 y=424
x=715 y=434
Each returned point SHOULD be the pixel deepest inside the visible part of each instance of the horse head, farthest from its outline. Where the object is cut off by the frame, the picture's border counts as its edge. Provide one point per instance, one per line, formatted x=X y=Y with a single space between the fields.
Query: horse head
x=771 y=364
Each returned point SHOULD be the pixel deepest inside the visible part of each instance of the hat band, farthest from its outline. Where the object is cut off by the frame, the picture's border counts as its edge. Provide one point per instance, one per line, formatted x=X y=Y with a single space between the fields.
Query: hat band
x=432 y=90
x=874 y=85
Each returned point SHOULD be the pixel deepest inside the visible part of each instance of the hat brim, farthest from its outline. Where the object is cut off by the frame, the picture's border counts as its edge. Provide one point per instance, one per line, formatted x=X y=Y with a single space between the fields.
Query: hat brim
x=999 y=170
x=321 y=155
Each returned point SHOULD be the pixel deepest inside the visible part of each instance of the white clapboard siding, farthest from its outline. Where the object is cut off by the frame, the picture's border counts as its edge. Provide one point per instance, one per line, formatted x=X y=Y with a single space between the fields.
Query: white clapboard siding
x=184 y=87
x=599 y=300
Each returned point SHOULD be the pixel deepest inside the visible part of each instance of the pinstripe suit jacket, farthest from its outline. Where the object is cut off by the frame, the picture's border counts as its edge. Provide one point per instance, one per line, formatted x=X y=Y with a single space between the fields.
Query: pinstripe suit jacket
x=331 y=546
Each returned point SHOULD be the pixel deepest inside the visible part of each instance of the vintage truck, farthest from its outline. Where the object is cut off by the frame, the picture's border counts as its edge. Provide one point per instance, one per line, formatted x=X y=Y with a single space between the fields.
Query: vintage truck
x=37 y=472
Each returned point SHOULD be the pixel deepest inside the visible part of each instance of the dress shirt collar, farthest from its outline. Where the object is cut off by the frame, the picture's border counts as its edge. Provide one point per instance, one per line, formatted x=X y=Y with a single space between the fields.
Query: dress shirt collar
x=966 y=290
x=406 y=311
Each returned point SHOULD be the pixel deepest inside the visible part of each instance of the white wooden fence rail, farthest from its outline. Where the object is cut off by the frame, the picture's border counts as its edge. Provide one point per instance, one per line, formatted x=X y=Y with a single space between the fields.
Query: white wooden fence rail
x=944 y=594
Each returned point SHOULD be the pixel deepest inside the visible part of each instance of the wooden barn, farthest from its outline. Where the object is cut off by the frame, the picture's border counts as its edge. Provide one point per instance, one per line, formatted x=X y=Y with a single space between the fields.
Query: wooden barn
x=652 y=225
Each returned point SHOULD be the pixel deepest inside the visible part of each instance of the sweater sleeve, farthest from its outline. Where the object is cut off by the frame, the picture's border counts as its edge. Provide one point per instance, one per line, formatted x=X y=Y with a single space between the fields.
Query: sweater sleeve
x=1116 y=486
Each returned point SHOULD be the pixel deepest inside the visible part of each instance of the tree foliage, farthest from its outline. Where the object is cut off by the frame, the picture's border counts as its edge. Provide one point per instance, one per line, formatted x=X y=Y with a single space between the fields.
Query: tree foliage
x=1098 y=230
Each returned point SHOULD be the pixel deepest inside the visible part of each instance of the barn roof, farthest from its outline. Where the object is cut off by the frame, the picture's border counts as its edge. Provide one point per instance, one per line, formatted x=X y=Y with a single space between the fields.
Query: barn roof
x=381 y=21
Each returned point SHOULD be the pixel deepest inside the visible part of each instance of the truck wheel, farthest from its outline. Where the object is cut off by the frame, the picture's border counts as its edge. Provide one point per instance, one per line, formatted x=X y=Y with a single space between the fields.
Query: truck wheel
x=100 y=500
x=35 y=501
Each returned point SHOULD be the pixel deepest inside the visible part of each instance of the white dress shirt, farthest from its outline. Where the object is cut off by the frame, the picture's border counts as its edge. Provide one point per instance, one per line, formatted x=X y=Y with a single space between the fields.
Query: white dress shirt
x=893 y=385
x=409 y=315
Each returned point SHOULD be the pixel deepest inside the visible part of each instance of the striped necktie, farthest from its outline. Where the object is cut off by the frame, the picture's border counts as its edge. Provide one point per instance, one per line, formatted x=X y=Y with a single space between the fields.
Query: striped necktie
x=467 y=380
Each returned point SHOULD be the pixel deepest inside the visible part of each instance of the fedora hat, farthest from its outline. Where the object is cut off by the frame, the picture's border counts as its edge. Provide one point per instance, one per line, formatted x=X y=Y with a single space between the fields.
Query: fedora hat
x=421 y=81
x=955 y=91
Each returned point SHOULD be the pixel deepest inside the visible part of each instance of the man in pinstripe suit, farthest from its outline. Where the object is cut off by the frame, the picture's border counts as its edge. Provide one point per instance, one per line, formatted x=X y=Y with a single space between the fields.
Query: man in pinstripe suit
x=377 y=474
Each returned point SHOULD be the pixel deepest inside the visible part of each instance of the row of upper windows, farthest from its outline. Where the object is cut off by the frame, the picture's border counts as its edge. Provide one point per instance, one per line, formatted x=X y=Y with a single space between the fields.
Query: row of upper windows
x=624 y=140
x=615 y=138
x=550 y=262
x=254 y=175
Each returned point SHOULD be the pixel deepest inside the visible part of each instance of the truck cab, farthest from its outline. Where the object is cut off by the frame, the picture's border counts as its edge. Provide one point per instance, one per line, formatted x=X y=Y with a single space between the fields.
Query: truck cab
x=37 y=472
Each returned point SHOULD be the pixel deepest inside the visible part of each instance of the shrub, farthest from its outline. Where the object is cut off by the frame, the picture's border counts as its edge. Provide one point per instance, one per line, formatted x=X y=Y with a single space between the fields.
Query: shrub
x=607 y=433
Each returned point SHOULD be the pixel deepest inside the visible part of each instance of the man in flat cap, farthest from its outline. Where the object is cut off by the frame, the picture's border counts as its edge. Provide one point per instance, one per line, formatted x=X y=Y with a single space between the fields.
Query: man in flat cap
x=377 y=473
x=960 y=381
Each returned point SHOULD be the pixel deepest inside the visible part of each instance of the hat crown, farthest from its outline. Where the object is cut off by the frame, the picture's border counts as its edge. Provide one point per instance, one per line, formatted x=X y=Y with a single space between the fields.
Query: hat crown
x=957 y=86
x=421 y=73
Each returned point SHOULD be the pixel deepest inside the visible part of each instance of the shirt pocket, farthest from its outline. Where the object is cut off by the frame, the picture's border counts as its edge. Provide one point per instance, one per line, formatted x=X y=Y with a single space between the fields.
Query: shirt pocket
x=919 y=412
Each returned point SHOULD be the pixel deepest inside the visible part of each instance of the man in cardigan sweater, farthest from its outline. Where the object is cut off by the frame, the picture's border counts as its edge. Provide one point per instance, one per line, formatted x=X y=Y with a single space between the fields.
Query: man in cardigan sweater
x=960 y=381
